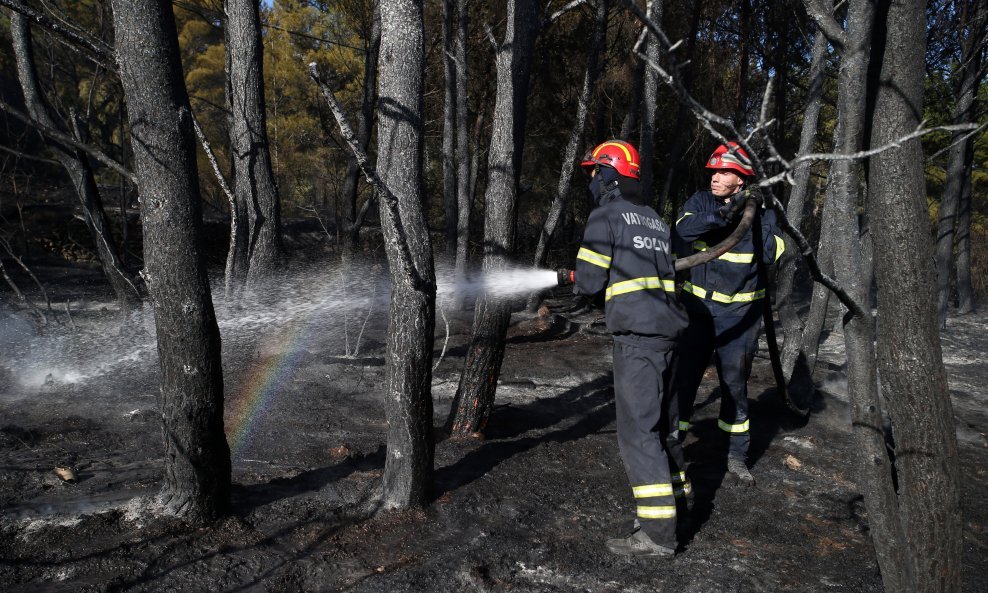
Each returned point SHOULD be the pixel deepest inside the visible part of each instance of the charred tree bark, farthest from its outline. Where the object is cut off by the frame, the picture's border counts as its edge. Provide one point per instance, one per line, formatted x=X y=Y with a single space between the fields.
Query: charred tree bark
x=464 y=170
x=254 y=189
x=874 y=465
x=820 y=298
x=408 y=470
x=450 y=105
x=475 y=395
x=649 y=107
x=76 y=164
x=909 y=353
x=969 y=80
x=965 y=288
x=561 y=200
x=792 y=326
x=365 y=123
x=197 y=458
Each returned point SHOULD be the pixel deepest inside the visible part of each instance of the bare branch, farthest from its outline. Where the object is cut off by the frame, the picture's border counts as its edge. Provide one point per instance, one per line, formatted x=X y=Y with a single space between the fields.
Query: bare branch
x=389 y=200
x=708 y=119
x=211 y=156
x=960 y=139
x=68 y=141
x=919 y=132
x=98 y=51
x=563 y=10
x=24 y=155
x=27 y=270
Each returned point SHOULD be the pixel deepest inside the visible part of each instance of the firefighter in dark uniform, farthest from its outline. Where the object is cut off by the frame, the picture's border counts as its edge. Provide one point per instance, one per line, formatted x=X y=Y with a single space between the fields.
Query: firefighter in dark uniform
x=626 y=253
x=724 y=298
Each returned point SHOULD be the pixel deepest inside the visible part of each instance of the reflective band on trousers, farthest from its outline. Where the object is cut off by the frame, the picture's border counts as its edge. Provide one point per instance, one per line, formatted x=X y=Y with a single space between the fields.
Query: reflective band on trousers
x=682 y=485
x=651 y=490
x=597 y=259
x=733 y=428
x=636 y=284
x=741 y=297
x=737 y=258
x=684 y=425
x=664 y=512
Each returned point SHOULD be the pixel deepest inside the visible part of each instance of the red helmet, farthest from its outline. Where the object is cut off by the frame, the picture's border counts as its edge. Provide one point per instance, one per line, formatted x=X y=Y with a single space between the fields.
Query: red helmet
x=738 y=161
x=618 y=154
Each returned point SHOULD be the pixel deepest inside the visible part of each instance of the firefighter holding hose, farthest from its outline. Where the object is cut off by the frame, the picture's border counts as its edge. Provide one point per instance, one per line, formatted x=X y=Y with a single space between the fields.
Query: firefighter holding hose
x=724 y=298
x=626 y=253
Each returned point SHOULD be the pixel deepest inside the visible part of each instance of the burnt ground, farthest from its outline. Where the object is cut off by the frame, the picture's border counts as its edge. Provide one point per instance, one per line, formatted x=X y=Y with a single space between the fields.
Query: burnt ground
x=525 y=509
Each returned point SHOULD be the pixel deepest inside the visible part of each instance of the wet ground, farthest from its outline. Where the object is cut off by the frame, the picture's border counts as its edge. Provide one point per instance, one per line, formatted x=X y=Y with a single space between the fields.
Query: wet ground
x=526 y=509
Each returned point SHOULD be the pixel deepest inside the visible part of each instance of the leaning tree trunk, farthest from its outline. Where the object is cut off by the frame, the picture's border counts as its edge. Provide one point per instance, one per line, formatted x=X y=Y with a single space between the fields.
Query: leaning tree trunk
x=197 y=457
x=575 y=136
x=649 y=107
x=909 y=354
x=792 y=326
x=253 y=180
x=408 y=470
x=972 y=47
x=77 y=166
x=475 y=395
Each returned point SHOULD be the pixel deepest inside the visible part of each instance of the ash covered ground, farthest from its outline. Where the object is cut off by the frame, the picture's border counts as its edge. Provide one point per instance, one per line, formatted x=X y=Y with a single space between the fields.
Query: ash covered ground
x=526 y=509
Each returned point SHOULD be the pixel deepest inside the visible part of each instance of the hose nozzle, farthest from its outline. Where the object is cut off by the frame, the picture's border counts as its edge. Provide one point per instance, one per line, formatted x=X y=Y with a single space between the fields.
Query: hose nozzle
x=565 y=277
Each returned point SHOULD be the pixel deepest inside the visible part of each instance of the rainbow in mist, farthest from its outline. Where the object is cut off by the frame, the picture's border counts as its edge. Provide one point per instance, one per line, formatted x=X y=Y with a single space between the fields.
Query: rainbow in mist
x=263 y=381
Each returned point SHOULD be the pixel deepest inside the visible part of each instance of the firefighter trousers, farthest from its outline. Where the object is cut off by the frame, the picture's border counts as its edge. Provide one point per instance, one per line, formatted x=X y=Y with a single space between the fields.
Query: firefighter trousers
x=641 y=376
x=734 y=340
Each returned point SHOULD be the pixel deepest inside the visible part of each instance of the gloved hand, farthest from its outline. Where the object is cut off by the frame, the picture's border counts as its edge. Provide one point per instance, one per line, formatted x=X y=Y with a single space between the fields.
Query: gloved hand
x=734 y=205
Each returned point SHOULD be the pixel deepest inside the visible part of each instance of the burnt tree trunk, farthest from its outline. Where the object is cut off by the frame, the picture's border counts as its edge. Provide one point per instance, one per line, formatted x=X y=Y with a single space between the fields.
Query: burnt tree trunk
x=792 y=326
x=561 y=200
x=197 y=458
x=474 y=398
x=969 y=80
x=450 y=105
x=909 y=353
x=854 y=273
x=965 y=288
x=408 y=469
x=352 y=221
x=649 y=107
x=464 y=170
x=254 y=191
x=76 y=164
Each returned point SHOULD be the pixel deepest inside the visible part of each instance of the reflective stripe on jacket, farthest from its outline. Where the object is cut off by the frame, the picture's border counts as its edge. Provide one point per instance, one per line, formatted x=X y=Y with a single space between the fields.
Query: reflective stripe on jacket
x=627 y=253
x=731 y=281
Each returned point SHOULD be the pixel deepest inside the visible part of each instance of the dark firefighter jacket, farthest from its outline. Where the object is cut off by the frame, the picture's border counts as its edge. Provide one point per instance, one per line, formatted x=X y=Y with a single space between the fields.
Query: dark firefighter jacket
x=626 y=252
x=730 y=283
